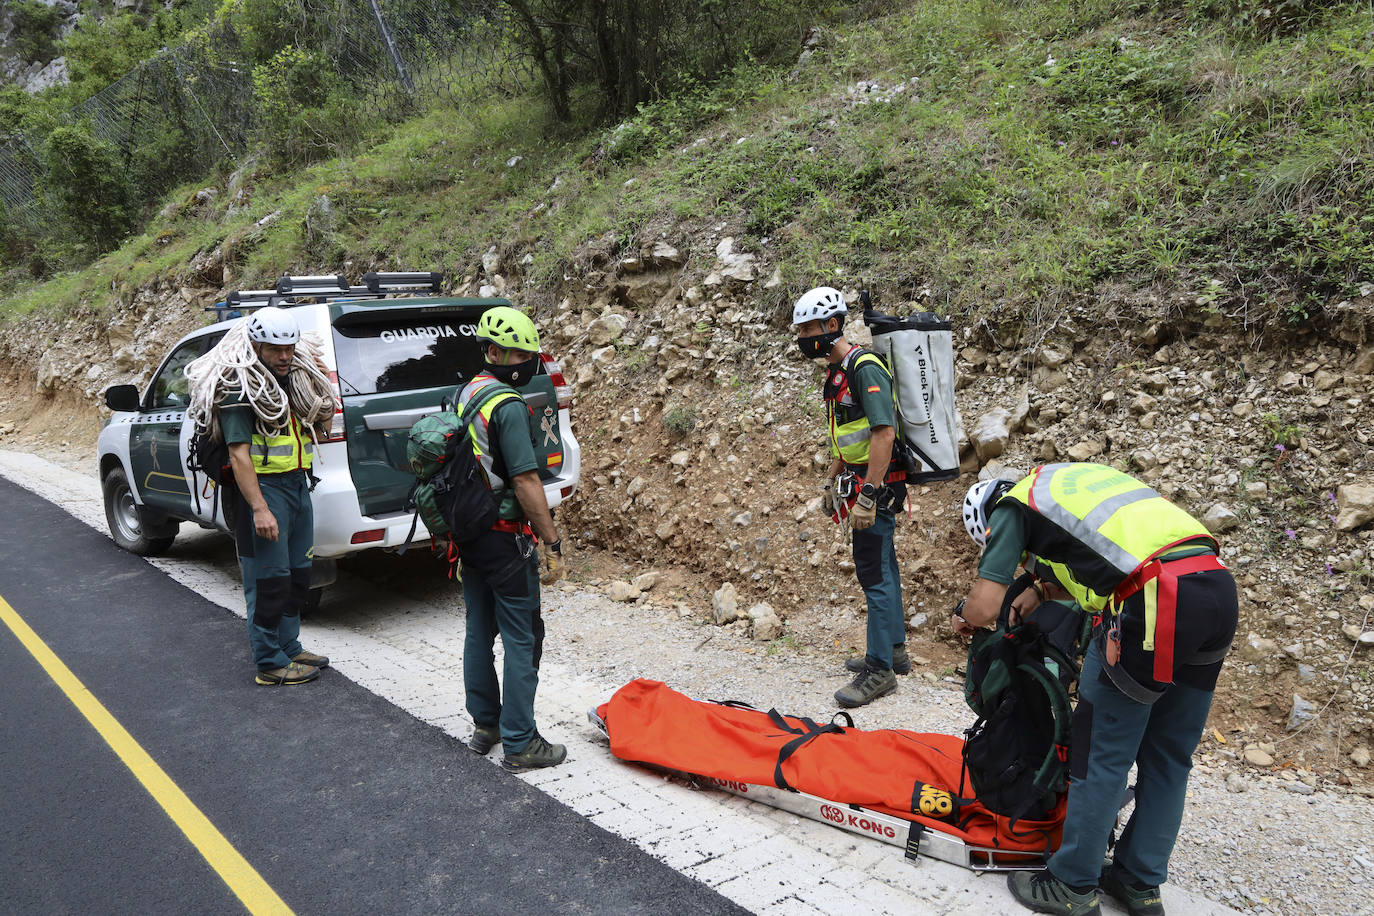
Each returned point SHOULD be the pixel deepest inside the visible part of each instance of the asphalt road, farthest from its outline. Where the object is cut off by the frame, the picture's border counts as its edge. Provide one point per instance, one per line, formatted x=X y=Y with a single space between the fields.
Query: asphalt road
x=341 y=802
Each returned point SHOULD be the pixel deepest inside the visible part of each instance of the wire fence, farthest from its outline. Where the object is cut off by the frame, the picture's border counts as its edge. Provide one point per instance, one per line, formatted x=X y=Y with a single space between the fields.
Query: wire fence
x=180 y=113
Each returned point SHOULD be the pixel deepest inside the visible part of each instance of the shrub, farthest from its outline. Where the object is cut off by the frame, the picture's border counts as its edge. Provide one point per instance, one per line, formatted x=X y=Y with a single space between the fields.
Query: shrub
x=303 y=106
x=35 y=30
x=680 y=420
x=87 y=186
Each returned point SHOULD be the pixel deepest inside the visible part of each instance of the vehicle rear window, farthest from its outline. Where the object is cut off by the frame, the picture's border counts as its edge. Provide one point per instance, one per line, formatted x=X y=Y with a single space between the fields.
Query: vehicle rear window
x=405 y=354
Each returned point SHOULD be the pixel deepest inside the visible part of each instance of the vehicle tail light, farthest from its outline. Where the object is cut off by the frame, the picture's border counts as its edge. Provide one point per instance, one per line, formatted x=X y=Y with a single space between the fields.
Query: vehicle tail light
x=368 y=537
x=561 y=389
x=566 y=492
x=337 y=430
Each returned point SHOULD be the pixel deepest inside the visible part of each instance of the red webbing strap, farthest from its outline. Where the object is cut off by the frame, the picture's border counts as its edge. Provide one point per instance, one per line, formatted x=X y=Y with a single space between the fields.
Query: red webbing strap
x=1166 y=602
x=512 y=527
x=1166 y=610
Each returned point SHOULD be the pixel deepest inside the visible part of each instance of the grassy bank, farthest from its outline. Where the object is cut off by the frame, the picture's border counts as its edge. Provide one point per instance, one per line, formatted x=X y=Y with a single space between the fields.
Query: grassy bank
x=1010 y=158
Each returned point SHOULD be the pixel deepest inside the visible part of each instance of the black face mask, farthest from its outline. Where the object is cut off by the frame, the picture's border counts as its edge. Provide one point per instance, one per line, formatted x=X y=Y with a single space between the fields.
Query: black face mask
x=515 y=374
x=818 y=346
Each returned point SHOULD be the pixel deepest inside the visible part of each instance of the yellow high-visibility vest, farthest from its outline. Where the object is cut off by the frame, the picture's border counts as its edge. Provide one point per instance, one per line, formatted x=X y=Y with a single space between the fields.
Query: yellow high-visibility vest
x=1094 y=525
x=289 y=451
x=848 y=425
x=481 y=438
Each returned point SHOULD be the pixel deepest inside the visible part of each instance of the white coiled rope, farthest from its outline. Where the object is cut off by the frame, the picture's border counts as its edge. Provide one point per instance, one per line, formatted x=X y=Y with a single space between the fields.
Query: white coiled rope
x=232 y=365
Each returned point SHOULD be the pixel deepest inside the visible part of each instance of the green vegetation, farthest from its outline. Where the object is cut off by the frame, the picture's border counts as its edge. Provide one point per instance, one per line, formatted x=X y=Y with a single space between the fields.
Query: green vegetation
x=35 y=26
x=1281 y=434
x=1040 y=152
x=680 y=420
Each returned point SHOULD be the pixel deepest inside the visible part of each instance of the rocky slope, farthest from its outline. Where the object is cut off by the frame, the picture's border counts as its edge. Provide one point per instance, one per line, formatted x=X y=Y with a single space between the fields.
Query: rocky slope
x=703 y=447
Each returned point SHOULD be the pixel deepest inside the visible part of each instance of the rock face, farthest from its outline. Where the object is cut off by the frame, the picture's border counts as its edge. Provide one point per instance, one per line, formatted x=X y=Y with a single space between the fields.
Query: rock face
x=1219 y=518
x=607 y=329
x=1302 y=712
x=766 y=623
x=622 y=591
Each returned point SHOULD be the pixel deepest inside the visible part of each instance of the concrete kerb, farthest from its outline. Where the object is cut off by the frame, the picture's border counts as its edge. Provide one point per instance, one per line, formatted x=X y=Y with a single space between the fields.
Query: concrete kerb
x=768 y=861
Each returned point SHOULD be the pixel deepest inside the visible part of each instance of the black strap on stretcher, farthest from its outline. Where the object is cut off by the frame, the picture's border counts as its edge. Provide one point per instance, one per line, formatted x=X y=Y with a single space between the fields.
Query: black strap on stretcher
x=807 y=733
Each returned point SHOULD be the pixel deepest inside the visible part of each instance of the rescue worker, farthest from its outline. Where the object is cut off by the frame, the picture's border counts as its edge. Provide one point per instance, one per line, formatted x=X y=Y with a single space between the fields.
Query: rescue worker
x=863 y=484
x=501 y=569
x=1164 y=611
x=275 y=522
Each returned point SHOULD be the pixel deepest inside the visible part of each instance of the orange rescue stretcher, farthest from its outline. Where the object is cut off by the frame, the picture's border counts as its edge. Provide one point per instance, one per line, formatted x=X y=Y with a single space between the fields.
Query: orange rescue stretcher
x=895 y=786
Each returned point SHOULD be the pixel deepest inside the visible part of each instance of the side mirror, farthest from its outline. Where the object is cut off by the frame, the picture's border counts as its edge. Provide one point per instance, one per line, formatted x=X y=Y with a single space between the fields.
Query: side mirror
x=121 y=397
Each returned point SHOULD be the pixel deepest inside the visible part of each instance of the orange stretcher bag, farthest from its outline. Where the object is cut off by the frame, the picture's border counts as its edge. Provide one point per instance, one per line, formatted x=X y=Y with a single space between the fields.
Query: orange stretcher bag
x=909 y=775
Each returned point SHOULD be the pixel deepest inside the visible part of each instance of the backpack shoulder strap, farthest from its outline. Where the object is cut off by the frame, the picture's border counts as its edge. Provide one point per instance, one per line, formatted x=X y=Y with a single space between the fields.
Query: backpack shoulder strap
x=473 y=408
x=863 y=356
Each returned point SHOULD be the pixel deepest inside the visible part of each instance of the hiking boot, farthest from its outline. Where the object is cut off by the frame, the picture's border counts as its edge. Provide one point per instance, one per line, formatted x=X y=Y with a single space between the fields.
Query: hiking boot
x=901 y=662
x=866 y=687
x=292 y=674
x=538 y=753
x=1044 y=893
x=1139 y=900
x=484 y=738
x=310 y=658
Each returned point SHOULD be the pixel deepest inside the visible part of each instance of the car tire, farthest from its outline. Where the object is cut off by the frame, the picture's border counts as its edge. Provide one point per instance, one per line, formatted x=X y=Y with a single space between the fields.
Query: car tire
x=125 y=518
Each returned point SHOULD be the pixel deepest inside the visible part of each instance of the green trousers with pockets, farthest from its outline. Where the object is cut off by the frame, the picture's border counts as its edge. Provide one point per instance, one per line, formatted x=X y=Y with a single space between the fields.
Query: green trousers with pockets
x=276 y=574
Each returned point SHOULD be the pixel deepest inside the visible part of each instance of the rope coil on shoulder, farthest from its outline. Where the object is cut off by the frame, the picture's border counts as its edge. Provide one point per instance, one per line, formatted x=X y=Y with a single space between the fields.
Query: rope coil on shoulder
x=232 y=364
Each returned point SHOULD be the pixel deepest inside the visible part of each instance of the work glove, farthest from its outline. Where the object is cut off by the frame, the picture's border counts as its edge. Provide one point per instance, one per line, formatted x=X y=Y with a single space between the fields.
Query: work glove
x=551 y=559
x=864 y=513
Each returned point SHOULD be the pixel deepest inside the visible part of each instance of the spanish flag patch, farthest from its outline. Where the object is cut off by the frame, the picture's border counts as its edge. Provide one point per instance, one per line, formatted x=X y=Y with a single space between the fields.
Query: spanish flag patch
x=554 y=460
x=874 y=389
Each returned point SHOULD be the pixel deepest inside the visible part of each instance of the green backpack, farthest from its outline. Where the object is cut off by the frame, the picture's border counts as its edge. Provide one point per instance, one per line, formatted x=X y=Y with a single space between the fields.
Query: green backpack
x=451 y=493
x=1016 y=755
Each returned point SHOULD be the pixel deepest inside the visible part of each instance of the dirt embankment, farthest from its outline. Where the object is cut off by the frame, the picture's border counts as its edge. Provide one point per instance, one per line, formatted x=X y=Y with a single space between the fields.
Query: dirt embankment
x=703 y=449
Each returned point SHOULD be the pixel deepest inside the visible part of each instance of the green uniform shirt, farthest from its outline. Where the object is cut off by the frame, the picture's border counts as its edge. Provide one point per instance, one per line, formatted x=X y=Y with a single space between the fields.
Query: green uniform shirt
x=1006 y=543
x=510 y=432
x=236 y=418
x=872 y=388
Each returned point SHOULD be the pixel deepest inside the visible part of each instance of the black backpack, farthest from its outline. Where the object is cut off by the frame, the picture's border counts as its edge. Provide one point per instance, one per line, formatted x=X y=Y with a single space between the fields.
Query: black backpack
x=208 y=454
x=451 y=491
x=1016 y=755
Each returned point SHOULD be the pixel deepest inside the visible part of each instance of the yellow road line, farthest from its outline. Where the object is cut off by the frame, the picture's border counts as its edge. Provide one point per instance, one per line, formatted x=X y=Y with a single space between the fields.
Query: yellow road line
x=241 y=877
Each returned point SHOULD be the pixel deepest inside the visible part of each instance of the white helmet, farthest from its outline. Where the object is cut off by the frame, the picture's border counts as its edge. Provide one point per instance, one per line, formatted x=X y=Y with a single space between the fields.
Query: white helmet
x=978 y=503
x=272 y=325
x=821 y=303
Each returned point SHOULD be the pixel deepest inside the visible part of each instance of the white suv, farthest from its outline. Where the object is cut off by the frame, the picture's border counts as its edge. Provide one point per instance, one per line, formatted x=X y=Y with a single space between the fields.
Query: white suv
x=396 y=351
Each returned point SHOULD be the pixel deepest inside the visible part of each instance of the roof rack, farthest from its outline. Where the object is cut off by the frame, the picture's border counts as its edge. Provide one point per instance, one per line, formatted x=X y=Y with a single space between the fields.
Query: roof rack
x=295 y=290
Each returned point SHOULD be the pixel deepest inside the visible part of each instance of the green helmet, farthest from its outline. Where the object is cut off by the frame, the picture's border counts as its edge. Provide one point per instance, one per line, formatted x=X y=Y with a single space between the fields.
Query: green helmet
x=509 y=328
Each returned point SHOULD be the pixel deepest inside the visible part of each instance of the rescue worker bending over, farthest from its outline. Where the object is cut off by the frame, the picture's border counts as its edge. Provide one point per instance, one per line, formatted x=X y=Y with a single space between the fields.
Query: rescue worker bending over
x=1164 y=615
x=501 y=568
x=863 y=484
x=276 y=533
